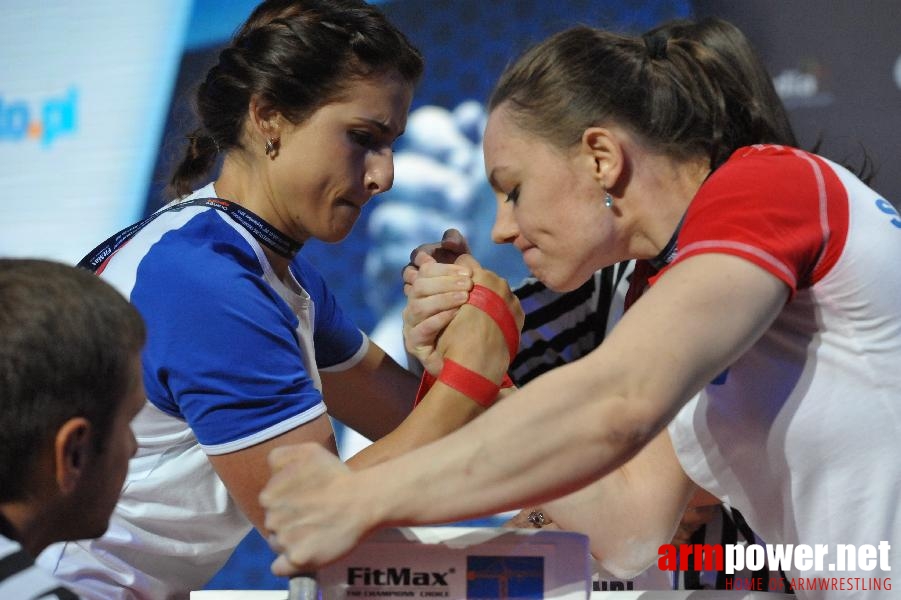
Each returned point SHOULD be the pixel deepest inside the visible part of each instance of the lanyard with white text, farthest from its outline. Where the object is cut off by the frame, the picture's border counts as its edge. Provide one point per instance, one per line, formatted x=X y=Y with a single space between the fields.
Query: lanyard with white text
x=265 y=233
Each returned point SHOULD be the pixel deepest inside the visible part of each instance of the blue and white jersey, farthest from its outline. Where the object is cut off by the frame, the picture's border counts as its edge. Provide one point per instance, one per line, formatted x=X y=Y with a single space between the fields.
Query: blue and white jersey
x=232 y=359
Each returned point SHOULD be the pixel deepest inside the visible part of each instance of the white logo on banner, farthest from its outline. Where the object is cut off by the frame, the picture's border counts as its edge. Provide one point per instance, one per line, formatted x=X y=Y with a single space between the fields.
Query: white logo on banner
x=793 y=83
x=801 y=88
x=898 y=72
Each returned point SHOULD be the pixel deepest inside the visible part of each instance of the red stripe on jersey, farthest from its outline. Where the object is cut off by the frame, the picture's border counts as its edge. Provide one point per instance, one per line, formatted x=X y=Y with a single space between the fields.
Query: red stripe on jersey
x=834 y=216
x=781 y=208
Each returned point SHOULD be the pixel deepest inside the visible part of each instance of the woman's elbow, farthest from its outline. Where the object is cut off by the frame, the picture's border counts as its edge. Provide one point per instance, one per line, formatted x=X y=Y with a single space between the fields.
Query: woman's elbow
x=630 y=556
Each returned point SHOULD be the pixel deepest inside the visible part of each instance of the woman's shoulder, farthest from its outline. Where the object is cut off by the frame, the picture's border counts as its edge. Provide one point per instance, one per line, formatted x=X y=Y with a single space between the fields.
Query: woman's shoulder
x=766 y=169
x=201 y=241
x=202 y=259
x=771 y=158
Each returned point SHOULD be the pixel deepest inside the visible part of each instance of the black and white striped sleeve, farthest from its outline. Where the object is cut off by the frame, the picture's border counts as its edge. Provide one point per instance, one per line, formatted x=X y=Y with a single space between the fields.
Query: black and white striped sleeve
x=561 y=327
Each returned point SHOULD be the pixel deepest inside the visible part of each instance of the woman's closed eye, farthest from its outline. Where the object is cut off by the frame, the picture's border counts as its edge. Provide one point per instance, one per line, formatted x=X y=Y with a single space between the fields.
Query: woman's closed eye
x=362 y=138
x=370 y=142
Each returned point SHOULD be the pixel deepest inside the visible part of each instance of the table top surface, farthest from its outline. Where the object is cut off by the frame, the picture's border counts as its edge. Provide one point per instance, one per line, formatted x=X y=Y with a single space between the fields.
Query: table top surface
x=629 y=595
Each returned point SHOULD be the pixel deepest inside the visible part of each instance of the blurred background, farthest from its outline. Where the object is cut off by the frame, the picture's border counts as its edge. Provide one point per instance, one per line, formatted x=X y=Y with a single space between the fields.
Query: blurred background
x=95 y=98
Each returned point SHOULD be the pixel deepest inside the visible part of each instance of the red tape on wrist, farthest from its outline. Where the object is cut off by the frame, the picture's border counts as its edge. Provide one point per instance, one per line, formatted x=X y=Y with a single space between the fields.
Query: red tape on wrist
x=428 y=380
x=480 y=389
x=494 y=306
x=466 y=381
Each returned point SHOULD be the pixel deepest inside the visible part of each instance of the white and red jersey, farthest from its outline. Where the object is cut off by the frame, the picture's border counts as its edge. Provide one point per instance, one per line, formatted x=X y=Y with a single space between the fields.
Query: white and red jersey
x=803 y=433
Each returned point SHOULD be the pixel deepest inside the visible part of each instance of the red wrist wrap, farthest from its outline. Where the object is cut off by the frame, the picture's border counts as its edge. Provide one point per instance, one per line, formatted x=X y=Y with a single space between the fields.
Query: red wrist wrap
x=495 y=307
x=428 y=380
x=466 y=381
x=480 y=389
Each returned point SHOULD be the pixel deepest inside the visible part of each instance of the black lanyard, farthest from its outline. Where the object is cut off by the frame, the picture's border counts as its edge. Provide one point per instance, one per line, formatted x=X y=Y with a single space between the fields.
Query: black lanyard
x=669 y=252
x=264 y=233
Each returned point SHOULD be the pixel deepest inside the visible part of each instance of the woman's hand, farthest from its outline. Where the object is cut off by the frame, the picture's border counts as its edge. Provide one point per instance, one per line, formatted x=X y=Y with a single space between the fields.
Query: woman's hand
x=473 y=339
x=432 y=302
x=433 y=298
x=312 y=509
x=447 y=251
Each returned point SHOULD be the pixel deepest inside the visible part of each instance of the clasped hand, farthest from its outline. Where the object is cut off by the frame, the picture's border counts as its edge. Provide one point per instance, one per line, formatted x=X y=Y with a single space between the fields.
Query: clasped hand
x=317 y=509
x=437 y=322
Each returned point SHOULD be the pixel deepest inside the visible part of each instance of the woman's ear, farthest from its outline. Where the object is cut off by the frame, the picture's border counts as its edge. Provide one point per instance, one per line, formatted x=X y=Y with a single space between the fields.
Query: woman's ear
x=265 y=125
x=73 y=449
x=604 y=149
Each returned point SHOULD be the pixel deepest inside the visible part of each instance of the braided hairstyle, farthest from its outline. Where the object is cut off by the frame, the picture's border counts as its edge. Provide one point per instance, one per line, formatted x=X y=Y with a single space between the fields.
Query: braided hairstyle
x=295 y=56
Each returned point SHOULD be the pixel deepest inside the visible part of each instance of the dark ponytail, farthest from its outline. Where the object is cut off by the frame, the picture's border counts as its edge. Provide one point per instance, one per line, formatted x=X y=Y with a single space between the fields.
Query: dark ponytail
x=200 y=155
x=697 y=98
x=727 y=42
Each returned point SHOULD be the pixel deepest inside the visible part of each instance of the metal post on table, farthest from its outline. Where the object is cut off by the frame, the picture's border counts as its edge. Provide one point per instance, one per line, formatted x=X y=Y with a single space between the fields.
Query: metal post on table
x=303 y=587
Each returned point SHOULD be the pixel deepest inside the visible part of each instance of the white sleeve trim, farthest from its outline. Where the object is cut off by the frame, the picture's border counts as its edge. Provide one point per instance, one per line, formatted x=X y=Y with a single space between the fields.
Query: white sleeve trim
x=266 y=434
x=353 y=360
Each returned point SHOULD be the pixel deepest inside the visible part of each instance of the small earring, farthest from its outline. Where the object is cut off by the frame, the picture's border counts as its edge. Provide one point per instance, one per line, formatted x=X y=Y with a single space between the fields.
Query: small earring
x=608 y=199
x=270 y=146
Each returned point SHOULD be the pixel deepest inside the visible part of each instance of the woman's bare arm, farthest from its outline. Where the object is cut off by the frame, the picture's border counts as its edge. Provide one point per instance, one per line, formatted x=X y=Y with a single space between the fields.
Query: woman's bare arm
x=559 y=433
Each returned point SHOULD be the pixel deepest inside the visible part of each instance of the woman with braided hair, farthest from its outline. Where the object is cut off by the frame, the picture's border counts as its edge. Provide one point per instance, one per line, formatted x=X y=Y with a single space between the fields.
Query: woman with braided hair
x=247 y=348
